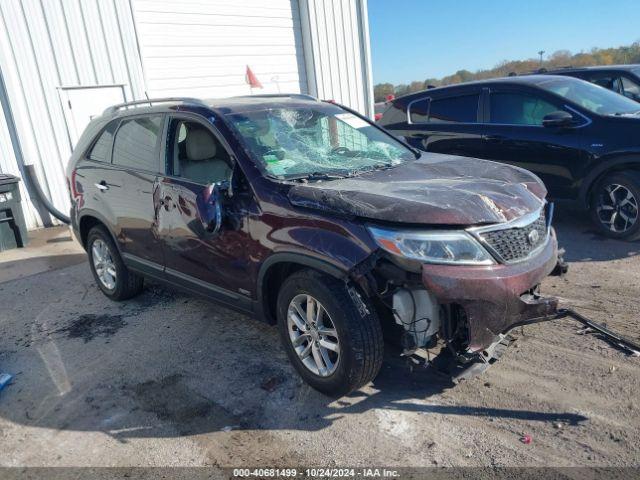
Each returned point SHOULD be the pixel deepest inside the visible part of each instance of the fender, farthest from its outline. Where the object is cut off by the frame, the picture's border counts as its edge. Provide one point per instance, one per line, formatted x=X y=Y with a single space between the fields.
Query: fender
x=92 y=213
x=290 y=257
x=617 y=162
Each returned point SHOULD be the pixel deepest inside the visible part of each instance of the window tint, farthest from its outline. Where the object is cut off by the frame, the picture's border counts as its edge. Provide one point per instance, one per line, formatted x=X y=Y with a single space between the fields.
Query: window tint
x=136 y=143
x=454 y=110
x=419 y=110
x=197 y=154
x=608 y=81
x=518 y=109
x=101 y=150
x=631 y=89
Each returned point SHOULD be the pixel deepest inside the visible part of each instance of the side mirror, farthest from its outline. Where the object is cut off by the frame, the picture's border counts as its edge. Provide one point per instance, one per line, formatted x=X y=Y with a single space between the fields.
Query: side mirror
x=559 y=119
x=210 y=206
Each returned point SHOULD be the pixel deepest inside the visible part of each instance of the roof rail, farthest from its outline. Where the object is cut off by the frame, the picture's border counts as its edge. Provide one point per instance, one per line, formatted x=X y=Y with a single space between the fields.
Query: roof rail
x=151 y=101
x=302 y=96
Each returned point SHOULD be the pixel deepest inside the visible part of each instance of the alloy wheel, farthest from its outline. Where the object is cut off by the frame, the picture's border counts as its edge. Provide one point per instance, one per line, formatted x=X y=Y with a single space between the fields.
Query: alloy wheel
x=313 y=335
x=103 y=263
x=617 y=208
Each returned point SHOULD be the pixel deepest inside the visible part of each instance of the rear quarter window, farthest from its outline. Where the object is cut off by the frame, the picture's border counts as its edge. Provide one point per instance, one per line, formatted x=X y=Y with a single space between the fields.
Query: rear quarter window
x=101 y=149
x=419 y=111
x=136 y=143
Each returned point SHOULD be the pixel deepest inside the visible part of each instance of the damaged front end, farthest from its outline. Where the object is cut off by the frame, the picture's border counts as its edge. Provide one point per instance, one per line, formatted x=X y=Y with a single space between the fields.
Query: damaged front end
x=465 y=306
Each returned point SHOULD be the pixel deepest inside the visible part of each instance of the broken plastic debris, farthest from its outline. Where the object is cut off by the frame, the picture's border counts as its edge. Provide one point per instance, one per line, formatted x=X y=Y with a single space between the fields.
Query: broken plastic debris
x=228 y=428
x=5 y=379
x=526 y=439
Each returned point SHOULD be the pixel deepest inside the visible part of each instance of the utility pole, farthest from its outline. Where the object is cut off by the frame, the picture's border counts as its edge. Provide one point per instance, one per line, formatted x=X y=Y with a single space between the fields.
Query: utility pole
x=541 y=52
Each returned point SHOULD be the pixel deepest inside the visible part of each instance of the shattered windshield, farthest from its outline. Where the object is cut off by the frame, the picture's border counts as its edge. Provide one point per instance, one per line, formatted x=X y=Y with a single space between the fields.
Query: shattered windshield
x=322 y=140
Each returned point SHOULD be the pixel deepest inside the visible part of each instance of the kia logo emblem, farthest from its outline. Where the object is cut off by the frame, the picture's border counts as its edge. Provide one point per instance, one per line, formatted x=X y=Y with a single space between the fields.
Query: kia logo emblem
x=533 y=237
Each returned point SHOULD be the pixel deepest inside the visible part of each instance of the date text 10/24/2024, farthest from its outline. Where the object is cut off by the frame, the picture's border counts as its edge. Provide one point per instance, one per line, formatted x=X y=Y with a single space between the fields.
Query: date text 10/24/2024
x=315 y=472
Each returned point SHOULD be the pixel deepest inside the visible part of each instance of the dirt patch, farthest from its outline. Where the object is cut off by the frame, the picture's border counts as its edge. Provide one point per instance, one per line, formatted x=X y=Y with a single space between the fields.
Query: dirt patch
x=90 y=326
x=171 y=400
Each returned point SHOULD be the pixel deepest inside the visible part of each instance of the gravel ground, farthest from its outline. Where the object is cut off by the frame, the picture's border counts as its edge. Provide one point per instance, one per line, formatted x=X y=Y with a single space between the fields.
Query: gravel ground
x=167 y=379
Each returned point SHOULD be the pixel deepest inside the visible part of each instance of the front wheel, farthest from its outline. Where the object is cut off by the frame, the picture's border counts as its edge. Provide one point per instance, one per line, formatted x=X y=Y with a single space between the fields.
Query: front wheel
x=331 y=335
x=614 y=205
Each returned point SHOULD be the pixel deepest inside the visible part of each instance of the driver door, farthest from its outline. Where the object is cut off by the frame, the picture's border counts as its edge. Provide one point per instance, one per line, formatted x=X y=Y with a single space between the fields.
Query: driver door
x=214 y=264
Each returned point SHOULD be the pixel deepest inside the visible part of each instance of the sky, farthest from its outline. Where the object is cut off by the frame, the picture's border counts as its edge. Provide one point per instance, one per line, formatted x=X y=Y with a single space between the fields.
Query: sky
x=419 y=39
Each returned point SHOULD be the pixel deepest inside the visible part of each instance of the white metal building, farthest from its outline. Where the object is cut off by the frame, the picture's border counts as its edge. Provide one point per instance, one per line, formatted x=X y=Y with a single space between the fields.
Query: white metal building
x=63 y=61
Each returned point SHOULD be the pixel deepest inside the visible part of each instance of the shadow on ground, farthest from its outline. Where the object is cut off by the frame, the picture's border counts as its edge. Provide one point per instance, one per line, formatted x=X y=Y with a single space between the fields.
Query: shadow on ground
x=582 y=243
x=164 y=365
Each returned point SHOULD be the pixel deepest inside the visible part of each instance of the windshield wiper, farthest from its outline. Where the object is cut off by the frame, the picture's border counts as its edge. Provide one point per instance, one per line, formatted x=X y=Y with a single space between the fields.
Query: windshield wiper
x=313 y=176
x=376 y=167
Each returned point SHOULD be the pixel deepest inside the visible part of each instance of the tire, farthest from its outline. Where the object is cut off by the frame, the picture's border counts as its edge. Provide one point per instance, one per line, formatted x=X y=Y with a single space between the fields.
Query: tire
x=357 y=328
x=126 y=284
x=624 y=187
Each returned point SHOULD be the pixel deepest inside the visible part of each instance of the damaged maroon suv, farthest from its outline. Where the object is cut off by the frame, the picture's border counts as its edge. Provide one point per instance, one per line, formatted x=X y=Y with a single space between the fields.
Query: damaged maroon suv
x=306 y=215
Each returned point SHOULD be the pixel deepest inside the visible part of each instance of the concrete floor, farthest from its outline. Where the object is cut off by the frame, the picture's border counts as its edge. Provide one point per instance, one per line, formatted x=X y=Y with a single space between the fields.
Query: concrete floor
x=48 y=249
x=166 y=379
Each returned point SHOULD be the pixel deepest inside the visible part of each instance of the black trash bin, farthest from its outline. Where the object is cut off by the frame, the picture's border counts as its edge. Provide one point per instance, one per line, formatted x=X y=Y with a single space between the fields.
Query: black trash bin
x=13 y=230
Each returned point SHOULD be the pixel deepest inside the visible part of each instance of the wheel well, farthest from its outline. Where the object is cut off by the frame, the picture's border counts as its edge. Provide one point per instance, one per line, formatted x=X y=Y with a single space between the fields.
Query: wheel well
x=86 y=224
x=271 y=283
x=622 y=167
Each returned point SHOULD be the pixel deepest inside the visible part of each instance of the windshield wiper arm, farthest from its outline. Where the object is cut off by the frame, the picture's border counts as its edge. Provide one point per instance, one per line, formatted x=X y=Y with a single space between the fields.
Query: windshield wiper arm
x=319 y=176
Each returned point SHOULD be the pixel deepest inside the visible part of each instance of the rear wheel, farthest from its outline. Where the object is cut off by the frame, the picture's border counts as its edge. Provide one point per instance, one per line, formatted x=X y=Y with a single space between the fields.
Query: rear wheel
x=331 y=335
x=112 y=276
x=614 y=205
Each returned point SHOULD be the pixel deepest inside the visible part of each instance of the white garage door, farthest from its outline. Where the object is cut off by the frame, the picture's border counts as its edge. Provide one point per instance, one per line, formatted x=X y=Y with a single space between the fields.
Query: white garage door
x=202 y=48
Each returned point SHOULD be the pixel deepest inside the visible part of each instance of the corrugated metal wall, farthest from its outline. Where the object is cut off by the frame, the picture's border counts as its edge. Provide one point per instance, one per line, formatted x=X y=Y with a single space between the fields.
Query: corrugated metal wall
x=336 y=41
x=51 y=43
x=192 y=47
x=202 y=47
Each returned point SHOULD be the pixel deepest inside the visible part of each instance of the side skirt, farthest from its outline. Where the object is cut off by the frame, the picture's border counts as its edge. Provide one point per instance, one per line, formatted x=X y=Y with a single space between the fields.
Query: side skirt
x=192 y=285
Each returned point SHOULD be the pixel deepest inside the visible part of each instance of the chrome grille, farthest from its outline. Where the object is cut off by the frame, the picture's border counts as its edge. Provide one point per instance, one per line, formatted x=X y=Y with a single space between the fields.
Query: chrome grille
x=513 y=244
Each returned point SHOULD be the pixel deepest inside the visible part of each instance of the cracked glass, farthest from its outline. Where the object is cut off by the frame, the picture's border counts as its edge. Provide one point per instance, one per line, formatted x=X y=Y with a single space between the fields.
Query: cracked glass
x=298 y=142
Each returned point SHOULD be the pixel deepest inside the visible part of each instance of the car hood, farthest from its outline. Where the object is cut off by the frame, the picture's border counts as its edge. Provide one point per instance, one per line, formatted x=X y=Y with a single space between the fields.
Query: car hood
x=435 y=190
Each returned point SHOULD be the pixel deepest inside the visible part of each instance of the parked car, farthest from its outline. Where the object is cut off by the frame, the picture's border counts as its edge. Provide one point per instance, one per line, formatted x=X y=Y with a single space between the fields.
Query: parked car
x=306 y=214
x=622 y=79
x=582 y=140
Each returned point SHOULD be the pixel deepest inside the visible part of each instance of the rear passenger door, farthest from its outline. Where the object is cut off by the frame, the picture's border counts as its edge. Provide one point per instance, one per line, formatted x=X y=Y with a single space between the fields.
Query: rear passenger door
x=136 y=166
x=445 y=124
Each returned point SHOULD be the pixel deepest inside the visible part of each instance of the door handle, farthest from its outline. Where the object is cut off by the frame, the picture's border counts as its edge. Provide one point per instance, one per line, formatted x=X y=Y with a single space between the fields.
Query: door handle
x=102 y=186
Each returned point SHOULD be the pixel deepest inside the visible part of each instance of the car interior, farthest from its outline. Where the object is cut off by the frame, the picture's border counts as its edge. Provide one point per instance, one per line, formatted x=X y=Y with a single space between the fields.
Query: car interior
x=198 y=155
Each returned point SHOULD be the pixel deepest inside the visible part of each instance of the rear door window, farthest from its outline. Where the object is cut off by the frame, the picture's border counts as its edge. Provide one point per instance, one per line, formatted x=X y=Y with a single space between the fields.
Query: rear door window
x=101 y=150
x=462 y=109
x=610 y=81
x=136 y=143
x=631 y=89
x=518 y=109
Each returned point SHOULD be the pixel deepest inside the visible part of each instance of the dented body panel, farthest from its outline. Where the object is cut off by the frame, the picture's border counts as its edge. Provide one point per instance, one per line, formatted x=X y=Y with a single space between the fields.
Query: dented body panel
x=433 y=190
x=492 y=296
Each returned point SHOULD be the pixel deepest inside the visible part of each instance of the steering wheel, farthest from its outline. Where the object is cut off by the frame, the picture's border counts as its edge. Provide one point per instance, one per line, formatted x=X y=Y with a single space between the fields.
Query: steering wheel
x=340 y=150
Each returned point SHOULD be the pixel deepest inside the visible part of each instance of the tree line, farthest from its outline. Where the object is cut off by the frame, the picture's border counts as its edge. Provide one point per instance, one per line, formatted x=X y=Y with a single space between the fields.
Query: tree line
x=558 y=59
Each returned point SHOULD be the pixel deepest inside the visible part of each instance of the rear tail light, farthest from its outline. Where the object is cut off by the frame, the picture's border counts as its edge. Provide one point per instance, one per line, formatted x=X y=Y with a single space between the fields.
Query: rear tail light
x=377 y=116
x=76 y=193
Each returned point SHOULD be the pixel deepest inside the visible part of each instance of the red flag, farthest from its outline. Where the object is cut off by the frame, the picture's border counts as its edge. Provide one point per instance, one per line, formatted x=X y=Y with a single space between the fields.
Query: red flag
x=251 y=79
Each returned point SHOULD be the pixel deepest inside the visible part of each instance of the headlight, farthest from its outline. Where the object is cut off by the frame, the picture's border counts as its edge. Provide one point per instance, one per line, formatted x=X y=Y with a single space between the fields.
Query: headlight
x=448 y=247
